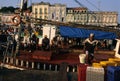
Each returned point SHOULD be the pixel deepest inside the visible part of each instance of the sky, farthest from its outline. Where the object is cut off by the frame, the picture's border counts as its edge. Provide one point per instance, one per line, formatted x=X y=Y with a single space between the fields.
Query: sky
x=92 y=5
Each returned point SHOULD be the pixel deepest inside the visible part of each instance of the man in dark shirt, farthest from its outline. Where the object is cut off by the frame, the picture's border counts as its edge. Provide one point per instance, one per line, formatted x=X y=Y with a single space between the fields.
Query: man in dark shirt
x=89 y=46
x=45 y=43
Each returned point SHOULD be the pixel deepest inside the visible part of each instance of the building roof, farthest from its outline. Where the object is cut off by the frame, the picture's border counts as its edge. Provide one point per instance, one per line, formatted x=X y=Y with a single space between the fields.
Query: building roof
x=41 y=3
x=77 y=8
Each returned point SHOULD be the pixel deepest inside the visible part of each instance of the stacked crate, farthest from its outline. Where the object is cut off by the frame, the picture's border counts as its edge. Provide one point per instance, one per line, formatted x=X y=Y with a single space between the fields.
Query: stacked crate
x=108 y=63
x=113 y=73
x=81 y=69
x=97 y=65
x=117 y=60
x=94 y=74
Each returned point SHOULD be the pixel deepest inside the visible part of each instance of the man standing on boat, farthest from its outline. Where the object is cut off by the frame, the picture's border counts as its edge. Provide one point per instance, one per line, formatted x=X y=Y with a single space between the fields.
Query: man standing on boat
x=89 y=47
x=45 y=43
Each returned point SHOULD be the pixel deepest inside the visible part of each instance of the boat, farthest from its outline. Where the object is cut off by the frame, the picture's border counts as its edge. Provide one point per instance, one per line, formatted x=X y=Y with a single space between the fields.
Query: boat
x=50 y=60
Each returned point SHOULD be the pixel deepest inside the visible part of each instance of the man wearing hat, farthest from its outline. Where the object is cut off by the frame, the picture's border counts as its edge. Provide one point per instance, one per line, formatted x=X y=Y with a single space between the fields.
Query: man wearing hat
x=89 y=46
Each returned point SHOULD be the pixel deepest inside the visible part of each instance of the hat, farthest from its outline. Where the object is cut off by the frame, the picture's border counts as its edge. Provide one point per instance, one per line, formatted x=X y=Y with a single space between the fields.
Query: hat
x=91 y=35
x=45 y=36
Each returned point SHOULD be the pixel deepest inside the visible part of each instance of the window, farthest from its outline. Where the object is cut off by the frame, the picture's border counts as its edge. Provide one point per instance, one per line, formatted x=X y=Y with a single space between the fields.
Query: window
x=40 y=10
x=69 y=11
x=74 y=17
x=40 y=17
x=35 y=10
x=45 y=10
x=45 y=17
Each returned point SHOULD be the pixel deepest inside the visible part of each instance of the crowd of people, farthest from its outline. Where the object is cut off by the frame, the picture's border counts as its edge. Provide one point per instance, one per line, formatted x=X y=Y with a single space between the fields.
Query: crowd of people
x=29 y=41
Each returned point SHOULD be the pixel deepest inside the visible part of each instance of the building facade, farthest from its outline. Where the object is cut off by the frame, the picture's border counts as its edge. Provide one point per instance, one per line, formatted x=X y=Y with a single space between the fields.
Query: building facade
x=80 y=15
x=76 y=15
x=43 y=10
x=83 y=16
x=103 y=18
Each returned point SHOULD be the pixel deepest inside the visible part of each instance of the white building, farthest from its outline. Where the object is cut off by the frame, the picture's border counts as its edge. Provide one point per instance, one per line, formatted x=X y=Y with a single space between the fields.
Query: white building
x=43 y=10
x=81 y=15
x=103 y=18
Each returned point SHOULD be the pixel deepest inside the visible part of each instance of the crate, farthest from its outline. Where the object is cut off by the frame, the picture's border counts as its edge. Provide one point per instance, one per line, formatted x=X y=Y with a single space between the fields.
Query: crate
x=94 y=74
x=117 y=60
x=97 y=65
x=108 y=63
x=81 y=69
x=114 y=59
x=113 y=73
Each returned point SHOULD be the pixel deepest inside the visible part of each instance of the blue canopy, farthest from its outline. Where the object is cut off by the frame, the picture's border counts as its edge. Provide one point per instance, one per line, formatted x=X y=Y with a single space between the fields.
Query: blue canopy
x=67 y=31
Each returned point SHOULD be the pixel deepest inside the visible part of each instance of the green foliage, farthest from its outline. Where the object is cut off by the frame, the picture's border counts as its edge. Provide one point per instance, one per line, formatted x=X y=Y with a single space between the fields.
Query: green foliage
x=9 y=9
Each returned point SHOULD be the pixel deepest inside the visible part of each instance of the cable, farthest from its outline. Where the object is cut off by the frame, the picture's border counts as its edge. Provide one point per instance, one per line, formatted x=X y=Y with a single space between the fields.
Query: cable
x=93 y=5
x=80 y=4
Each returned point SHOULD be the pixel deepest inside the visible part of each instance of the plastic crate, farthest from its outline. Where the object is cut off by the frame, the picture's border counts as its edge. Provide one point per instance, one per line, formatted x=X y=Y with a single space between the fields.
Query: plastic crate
x=81 y=69
x=97 y=65
x=113 y=73
x=117 y=60
x=108 y=63
x=114 y=59
x=94 y=74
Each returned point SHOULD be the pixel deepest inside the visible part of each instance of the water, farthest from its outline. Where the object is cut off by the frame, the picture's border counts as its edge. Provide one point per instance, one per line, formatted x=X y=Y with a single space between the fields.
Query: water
x=32 y=75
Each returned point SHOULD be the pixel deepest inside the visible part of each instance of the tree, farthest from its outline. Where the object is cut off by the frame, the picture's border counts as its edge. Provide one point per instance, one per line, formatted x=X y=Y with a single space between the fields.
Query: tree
x=9 y=9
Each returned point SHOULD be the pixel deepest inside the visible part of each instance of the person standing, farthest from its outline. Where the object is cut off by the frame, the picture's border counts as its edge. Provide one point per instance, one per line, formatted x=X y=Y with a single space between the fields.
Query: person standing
x=45 y=43
x=89 y=47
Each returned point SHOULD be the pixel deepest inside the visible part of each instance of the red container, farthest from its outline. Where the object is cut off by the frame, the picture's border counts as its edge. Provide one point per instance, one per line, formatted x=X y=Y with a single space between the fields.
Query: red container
x=81 y=70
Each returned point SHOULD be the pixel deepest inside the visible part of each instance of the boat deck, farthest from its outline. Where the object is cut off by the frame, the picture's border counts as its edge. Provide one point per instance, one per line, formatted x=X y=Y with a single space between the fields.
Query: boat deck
x=70 y=58
x=50 y=60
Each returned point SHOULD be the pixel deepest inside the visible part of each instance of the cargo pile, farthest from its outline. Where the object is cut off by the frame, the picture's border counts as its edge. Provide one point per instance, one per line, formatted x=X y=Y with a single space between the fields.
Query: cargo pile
x=103 y=71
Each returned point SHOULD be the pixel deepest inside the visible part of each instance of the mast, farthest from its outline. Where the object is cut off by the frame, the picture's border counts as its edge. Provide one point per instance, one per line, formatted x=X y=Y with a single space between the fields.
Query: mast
x=23 y=7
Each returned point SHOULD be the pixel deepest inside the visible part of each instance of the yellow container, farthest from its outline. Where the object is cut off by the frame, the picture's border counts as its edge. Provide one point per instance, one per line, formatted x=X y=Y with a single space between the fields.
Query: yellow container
x=97 y=65
x=117 y=60
x=104 y=63
x=113 y=59
x=108 y=63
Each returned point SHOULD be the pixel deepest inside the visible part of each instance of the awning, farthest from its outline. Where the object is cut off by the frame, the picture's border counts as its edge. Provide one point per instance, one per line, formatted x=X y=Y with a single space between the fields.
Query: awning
x=67 y=31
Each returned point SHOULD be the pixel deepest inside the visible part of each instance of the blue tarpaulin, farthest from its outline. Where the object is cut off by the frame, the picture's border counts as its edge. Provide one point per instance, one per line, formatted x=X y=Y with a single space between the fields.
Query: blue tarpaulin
x=67 y=31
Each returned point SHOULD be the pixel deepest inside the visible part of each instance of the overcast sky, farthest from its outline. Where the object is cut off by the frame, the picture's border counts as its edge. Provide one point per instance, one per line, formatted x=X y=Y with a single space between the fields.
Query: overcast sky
x=92 y=5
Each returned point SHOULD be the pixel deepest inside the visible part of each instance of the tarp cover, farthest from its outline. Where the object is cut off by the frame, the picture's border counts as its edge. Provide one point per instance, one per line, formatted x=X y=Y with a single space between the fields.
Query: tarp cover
x=67 y=31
